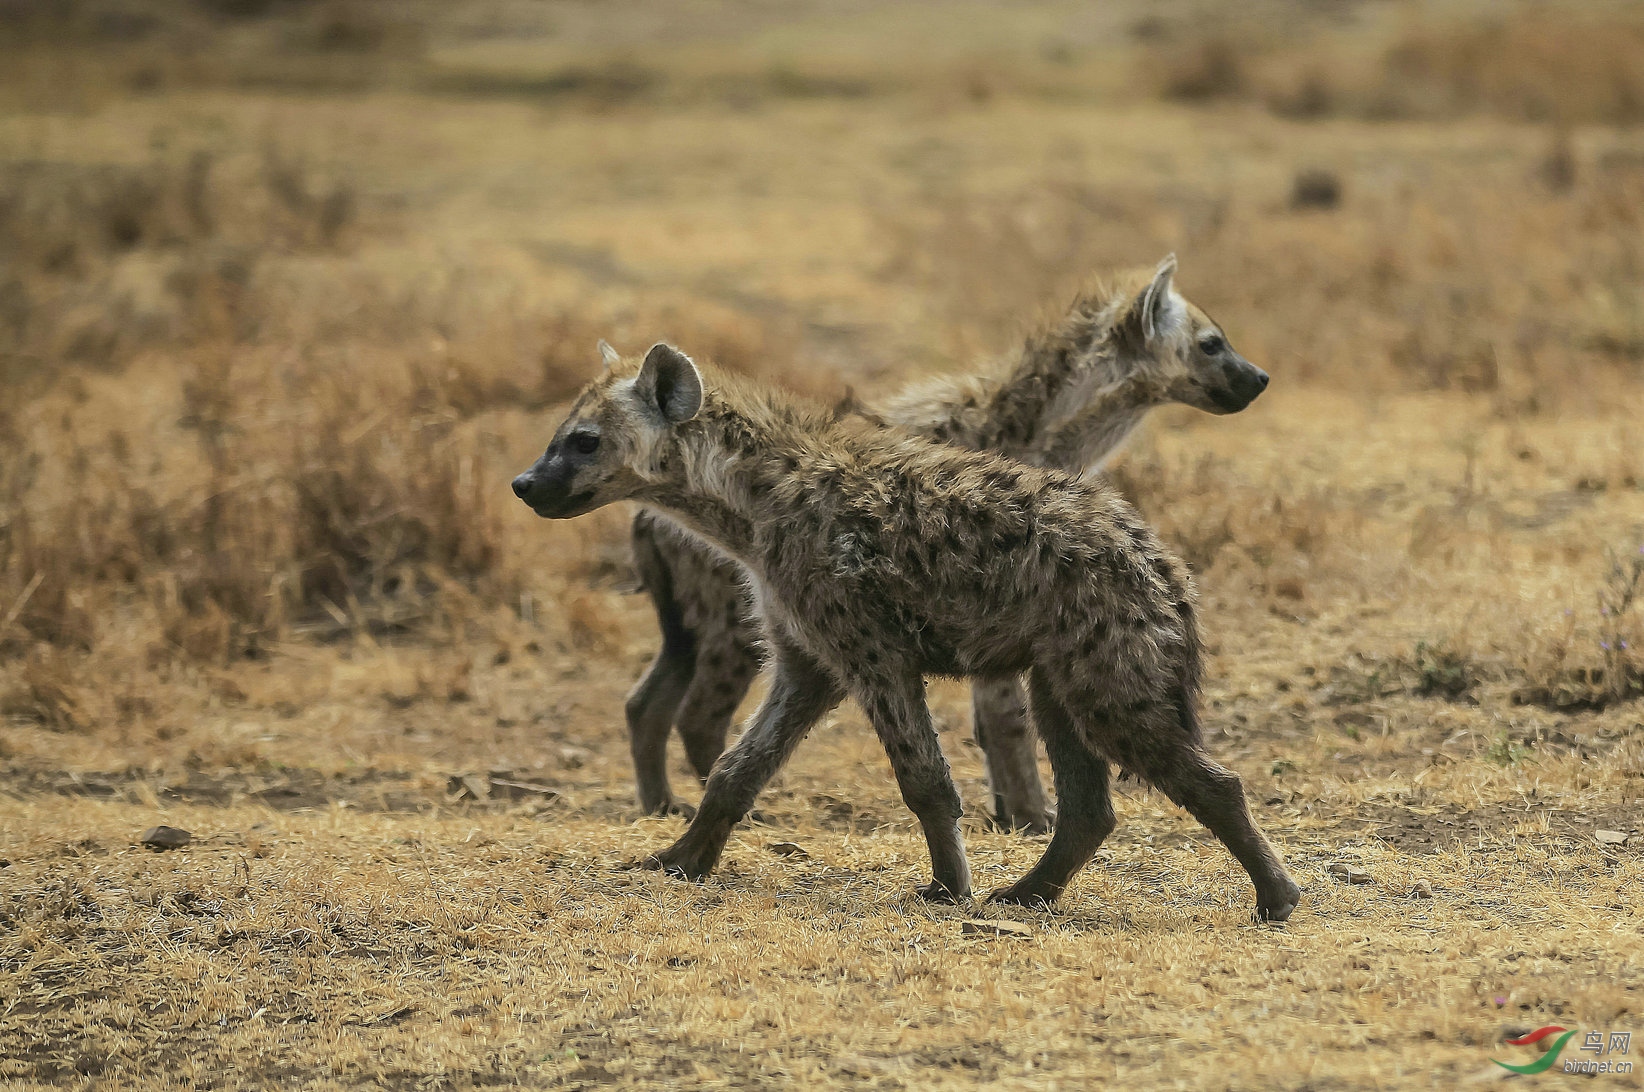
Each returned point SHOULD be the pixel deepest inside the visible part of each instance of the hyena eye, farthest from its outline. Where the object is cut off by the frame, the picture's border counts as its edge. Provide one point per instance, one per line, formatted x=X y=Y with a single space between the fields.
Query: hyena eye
x=585 y=443
x=1211 y=344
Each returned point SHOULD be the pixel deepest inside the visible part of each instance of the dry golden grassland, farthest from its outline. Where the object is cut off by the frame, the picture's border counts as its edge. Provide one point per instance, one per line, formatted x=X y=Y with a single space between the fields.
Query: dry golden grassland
x=288 y=292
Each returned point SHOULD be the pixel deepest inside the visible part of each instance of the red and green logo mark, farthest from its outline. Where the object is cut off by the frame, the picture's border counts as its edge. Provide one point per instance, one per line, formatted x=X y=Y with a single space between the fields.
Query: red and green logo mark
x=1546 y=1061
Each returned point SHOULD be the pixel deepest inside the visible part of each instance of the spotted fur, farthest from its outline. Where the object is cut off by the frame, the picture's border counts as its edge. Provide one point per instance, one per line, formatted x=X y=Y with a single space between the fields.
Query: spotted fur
x=1077 y=389
x=878 y=558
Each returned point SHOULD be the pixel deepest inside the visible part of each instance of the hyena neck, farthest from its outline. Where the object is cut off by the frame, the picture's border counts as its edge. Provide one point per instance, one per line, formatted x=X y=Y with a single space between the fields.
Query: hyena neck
x=1071 y=378
x=1088 y=439
x=1074 y=392
x=727 y=474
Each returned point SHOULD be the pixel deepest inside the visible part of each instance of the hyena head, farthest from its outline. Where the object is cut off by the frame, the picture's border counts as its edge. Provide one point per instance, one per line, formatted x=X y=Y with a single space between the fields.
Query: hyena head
x=617 y=436
x=1182 y=351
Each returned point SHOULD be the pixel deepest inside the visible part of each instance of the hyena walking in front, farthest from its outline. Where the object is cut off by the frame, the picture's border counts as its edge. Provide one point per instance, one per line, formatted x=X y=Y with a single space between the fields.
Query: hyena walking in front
x=878 y=558
x=1079 y=387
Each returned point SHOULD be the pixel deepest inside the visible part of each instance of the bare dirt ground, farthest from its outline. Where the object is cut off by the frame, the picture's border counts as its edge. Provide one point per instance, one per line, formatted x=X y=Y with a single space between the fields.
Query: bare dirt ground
x=288 y=293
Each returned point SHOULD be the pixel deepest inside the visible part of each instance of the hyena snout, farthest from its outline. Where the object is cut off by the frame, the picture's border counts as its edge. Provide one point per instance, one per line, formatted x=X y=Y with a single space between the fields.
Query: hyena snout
x=547 y=489
x=1241 y=382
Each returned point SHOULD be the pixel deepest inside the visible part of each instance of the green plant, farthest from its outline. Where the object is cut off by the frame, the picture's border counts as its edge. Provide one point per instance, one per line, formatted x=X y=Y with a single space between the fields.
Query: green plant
x=1505 y=750
x=1443 y=672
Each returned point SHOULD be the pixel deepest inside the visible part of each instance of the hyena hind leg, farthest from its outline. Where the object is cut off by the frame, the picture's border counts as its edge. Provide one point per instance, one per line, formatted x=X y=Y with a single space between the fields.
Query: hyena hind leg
x=1084 y=803
x=1158 y=738
x=1214 y=795
x=999 y=718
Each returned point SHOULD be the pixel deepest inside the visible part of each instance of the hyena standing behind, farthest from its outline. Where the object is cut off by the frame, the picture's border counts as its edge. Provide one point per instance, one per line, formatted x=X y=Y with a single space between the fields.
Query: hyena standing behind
x=877 y=558
x=1078 y=389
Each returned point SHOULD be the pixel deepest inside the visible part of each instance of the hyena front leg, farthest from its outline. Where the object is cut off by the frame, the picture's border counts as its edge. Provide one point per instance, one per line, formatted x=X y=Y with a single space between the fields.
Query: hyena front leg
x=651 y=706
x=802 y=691
x=999 y=718
x=727 y=662
x=900 y=716
x=650 y=714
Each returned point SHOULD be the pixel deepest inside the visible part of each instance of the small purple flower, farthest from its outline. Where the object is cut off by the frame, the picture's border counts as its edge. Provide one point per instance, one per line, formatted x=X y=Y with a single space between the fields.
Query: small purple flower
x=1605 y=645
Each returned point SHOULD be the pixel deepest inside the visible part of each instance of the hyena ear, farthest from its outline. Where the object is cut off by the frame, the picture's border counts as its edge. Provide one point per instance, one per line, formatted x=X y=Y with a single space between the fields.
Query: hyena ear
x=1151 y=311
x=670 y=384
x=608 y=355
x=848 y=405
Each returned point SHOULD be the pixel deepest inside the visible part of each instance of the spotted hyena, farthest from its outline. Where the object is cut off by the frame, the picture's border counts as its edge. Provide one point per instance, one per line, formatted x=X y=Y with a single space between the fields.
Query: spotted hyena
x=1076 y=391
x=877 y=558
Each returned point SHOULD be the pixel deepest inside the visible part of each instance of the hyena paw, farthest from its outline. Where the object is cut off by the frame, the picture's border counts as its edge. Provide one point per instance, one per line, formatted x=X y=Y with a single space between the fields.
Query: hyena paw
x=1029 y=821
x=669 y=806
x=1020 y=894
x=1279 y=906
x=937 y=891
x=679 y=864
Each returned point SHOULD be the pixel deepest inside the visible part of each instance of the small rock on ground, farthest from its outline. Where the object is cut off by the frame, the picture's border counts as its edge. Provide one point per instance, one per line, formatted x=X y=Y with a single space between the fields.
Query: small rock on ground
x=520 y=790
x=163 y=838
x=994 y=928
x=469 y=787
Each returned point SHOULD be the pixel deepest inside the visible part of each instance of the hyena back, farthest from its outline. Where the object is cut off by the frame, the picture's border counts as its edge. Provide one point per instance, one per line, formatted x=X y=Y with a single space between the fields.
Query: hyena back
x=1078 y=389
x=878 y=558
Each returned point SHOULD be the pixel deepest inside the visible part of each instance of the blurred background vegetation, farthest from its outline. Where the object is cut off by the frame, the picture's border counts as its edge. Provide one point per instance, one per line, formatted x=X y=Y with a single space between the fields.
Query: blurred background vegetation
x=290 y=289
x=287 y=289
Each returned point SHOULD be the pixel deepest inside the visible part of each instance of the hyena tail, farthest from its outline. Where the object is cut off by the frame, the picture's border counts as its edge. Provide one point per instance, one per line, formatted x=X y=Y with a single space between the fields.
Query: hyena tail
x=1187 y=707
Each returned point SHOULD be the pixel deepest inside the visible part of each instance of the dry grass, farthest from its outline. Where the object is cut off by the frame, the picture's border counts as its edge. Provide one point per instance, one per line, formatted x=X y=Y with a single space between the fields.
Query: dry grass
x=1569 y=64
x=272 y=349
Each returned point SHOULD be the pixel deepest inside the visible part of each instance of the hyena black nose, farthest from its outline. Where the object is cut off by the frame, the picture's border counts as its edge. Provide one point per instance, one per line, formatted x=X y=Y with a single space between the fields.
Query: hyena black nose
x=1244 y=383
x=1245 y=379
x=522 y=485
